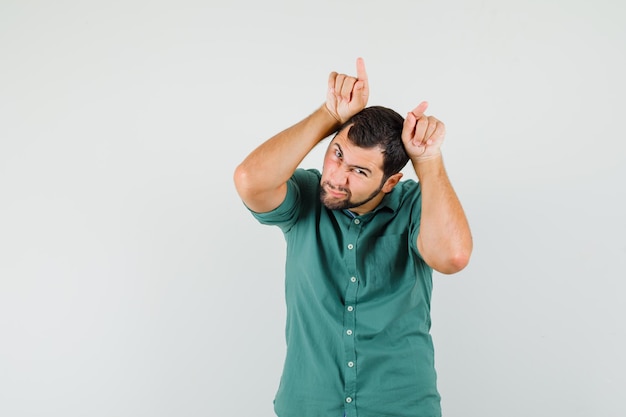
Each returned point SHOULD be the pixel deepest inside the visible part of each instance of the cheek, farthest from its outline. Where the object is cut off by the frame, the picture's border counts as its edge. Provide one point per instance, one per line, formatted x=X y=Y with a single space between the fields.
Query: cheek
x=362 y=186
x=325 y=166
x=328 y=166
x=358 y=187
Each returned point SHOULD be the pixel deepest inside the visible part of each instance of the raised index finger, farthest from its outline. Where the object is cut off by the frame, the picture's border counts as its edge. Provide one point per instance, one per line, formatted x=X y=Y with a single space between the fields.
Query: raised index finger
x=420 y=109
x=361 y=74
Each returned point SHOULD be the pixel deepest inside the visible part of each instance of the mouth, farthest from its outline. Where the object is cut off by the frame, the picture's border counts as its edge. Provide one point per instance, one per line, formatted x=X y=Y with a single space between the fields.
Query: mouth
x=334 y=192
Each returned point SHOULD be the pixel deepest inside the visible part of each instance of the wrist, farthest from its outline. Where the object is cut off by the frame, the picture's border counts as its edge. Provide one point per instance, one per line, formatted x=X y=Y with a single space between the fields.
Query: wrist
x=423 y=158
x=336 y=119
x=427 y=163
x=323 y=122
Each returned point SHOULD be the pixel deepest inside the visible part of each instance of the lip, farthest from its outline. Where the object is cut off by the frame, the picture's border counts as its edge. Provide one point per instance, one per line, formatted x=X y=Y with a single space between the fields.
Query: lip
x=334 y=192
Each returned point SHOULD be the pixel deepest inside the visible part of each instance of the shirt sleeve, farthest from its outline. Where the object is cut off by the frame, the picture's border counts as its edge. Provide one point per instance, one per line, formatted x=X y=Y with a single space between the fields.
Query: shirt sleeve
x=415 y=216
x=286 y=214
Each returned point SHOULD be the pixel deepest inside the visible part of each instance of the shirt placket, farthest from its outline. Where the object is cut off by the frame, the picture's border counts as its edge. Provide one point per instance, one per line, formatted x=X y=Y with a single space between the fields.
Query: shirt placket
x=349 y=319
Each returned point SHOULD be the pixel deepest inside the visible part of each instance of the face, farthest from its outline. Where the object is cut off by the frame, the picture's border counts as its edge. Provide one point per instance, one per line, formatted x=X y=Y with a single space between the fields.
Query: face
x=352 y=177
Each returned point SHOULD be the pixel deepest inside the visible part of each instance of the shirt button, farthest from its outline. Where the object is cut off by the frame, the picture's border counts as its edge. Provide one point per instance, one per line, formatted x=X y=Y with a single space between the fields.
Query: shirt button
x=349 y=332
x=350 y=246
x=357 y=221
x=351 y=364
x=349 y=400
x=350 y=308
x=353 y=279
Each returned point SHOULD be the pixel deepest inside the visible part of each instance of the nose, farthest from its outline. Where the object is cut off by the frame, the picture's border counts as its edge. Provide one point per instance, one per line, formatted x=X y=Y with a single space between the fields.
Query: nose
x=339 y=177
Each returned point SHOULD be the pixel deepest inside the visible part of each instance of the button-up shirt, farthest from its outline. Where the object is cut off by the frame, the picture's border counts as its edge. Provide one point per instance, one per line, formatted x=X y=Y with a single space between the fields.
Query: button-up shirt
x=358 y=307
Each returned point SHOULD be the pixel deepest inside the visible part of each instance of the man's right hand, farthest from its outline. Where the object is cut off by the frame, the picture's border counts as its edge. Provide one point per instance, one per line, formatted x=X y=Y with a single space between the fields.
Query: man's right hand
x=347 y=95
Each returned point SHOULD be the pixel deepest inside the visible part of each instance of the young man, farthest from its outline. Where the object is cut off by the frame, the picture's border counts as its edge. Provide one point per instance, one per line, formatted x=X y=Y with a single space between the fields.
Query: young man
x=361 y=247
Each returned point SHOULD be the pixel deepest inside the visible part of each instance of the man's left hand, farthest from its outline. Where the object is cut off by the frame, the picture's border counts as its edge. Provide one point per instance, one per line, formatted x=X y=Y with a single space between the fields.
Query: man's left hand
x=422 y=135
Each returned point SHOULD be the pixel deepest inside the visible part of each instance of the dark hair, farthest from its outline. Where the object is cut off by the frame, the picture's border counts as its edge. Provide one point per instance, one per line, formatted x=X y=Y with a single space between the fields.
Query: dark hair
x=379 y=126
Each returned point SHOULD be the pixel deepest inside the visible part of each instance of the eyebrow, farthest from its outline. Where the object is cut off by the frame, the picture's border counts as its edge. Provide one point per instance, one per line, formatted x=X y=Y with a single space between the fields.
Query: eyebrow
x=353 y=166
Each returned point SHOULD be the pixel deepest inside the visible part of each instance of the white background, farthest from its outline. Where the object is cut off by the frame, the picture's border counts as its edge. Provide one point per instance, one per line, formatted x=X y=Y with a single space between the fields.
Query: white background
x=133 y=282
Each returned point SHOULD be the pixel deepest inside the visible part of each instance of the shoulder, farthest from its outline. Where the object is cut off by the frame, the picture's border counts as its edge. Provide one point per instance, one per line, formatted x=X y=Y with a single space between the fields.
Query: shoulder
x=408 y=186
x=307 y=181
x=302 y=192
x=407 y=191
x=306 y=176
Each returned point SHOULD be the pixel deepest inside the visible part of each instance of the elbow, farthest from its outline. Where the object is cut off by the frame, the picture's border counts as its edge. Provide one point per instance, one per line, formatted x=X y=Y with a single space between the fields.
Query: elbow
x=458 y=262
x=242 y=179
x=447 y=259
x=455 y=262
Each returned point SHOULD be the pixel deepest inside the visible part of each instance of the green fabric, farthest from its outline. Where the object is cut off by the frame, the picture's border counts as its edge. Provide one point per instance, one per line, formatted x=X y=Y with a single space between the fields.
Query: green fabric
x=358 y=317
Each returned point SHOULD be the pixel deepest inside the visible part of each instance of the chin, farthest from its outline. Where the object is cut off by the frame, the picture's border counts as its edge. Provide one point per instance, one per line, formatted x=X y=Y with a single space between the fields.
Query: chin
x=334 y=204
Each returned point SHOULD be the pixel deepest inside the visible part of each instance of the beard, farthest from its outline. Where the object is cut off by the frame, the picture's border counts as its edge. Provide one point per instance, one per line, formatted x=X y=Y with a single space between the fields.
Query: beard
x=346 y=202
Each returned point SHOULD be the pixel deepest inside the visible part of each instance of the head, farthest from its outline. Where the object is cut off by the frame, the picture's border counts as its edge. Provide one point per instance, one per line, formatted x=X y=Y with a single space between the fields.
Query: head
x=364 y=160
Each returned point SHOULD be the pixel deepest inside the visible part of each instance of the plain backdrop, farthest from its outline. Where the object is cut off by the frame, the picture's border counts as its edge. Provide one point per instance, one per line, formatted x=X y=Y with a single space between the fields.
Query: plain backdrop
x=134 y=283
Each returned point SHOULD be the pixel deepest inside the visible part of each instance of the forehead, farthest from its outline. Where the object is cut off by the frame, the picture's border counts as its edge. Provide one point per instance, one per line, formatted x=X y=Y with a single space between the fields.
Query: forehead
x=371 y=158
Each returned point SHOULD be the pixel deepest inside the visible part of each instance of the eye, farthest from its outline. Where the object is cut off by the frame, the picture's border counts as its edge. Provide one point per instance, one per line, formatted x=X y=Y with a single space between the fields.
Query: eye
x=360 y=172
x=338 y=153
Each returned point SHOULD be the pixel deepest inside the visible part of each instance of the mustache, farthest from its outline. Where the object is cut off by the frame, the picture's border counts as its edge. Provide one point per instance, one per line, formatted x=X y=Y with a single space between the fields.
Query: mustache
x=329 y=185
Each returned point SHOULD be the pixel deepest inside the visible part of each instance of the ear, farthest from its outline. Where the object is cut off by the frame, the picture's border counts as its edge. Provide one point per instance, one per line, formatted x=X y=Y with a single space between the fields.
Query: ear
x=391 y=182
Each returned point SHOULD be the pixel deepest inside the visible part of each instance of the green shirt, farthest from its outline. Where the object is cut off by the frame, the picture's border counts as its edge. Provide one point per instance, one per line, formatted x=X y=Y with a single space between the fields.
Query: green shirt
x=358 y=307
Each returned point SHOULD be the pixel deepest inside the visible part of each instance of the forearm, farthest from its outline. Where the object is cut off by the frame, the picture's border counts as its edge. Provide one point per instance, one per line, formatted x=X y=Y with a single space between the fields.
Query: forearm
x=261 y=178
x=444 y=239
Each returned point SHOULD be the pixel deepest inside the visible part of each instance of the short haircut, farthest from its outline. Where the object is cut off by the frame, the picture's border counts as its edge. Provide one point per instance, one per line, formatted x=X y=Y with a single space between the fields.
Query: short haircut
x=378 y=126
